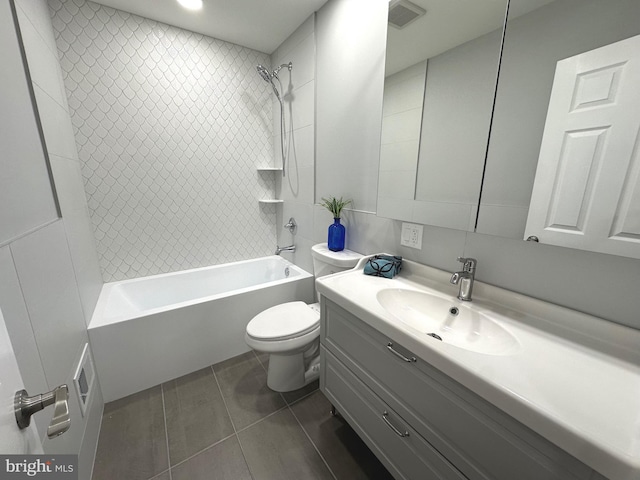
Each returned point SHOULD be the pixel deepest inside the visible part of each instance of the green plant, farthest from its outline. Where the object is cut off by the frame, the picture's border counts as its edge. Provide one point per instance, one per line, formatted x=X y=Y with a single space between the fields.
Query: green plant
x=335 y=205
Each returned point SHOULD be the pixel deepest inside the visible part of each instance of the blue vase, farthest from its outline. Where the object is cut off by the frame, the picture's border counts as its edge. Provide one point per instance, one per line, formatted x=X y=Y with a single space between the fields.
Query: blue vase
x=336 y=236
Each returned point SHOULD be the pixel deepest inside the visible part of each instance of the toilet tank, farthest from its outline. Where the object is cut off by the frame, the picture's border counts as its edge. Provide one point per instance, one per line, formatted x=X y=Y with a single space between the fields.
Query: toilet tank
x=326 y=262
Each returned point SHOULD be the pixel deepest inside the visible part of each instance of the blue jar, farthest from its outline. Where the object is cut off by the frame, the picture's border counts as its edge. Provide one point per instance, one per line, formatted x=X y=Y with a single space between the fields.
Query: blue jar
x=336 y=236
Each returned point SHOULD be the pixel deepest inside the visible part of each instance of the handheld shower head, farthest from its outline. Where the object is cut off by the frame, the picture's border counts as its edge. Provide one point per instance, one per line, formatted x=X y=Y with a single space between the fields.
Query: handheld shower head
x=268 y=77
x=264 y=73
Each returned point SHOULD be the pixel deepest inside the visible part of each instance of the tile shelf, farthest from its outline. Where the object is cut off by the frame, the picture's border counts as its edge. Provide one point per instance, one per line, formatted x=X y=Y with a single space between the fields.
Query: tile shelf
x=270 y=201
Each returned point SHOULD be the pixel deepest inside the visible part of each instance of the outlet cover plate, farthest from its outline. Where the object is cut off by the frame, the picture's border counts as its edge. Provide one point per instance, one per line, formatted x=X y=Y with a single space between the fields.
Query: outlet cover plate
x=411 y=235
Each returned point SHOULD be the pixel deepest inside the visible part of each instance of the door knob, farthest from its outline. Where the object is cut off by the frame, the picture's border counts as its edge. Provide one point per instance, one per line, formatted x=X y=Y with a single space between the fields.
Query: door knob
x=25 y=406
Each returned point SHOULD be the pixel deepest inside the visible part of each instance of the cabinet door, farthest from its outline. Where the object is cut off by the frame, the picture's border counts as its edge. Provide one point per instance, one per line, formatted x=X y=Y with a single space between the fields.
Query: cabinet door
x=586 y=193
x=403 y=451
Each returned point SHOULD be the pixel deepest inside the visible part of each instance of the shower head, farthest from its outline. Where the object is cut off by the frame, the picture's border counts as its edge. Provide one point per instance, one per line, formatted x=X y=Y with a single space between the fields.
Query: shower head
x=268 y=77
x=264 y=73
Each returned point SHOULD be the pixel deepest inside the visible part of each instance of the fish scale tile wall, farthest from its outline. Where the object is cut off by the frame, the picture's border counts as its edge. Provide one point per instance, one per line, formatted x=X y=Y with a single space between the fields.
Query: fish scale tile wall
x=170 y=127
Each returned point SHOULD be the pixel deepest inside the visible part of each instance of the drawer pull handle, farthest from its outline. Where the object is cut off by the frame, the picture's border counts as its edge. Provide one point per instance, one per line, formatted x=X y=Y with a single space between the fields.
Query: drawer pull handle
x=385 y=416
x=399 y=355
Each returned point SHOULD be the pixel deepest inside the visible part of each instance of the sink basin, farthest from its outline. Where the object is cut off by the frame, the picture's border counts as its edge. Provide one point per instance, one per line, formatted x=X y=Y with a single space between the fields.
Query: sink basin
x=451 y=321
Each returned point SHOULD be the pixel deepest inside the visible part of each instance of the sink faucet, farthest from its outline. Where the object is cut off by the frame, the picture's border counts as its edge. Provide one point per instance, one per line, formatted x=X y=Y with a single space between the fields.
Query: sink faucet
x=290 y=248
x=465 y=278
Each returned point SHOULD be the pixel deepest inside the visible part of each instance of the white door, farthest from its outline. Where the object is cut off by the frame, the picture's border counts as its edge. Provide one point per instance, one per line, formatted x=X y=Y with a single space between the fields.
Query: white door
x=586 y=193
x=12 y=439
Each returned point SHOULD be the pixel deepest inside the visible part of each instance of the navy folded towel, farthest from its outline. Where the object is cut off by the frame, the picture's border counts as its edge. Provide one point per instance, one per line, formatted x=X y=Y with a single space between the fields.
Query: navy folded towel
x=383 y=266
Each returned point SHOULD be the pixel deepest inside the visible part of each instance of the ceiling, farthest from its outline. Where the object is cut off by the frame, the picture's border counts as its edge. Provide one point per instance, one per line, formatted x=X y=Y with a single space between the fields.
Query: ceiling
x=258 y=24
x=264 y=24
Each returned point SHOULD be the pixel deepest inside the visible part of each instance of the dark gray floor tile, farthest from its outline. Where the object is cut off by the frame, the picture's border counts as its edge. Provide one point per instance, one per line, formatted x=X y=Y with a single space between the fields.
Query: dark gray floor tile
x=196 y=414
x=347 y=455
x=296 y=395
x=223 y=461
x=264 y=359
x=243 y=382
x=132 y=443
x=278 y=449
x=162 y=476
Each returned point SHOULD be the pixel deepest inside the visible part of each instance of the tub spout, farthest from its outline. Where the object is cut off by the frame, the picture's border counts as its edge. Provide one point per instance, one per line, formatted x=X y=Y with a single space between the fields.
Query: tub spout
x=290 y=248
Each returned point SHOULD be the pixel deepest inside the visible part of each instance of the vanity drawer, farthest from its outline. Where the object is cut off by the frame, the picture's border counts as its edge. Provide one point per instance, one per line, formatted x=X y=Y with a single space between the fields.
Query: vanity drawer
x=478 y=438
x=406 y=454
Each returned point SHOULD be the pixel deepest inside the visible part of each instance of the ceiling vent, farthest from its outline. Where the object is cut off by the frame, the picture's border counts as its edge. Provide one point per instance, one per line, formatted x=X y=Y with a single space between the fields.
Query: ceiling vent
x=403 y=12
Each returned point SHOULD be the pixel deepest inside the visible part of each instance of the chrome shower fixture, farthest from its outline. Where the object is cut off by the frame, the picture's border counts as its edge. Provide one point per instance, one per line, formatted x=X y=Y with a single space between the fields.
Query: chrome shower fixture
x=268 y=77
x=264 y=73
x=289 y=66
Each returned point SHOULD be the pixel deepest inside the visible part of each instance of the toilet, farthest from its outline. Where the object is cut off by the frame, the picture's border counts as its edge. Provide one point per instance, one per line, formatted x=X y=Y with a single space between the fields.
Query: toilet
x=290 y=332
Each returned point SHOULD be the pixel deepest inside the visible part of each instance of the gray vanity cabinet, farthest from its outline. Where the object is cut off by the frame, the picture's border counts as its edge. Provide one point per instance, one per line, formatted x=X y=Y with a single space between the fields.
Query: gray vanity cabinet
x=420 y=423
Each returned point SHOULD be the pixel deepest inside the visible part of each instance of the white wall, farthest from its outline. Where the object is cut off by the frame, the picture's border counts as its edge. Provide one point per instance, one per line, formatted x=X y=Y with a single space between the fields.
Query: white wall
x=49 y=276
x=349 y=92
x=170 y=127
x=297 y=187
x=24 y=182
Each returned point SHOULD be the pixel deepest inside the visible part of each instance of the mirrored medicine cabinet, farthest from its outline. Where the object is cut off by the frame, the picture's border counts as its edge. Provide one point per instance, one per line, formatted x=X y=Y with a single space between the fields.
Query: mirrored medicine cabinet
x=536 y=136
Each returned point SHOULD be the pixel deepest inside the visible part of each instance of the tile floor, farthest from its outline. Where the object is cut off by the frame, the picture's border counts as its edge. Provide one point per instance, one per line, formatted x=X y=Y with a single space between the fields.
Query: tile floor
x=222 y=422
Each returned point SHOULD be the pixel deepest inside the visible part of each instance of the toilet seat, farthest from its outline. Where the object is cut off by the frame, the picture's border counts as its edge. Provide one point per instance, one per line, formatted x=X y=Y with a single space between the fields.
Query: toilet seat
x=283 y=322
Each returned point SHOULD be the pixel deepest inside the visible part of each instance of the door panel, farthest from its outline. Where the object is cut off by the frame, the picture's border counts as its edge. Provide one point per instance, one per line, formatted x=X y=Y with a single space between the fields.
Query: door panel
x=586 y=193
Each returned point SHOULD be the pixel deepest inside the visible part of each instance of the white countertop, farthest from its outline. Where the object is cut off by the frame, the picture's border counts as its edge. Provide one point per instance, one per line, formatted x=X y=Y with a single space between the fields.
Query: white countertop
x=575 y=379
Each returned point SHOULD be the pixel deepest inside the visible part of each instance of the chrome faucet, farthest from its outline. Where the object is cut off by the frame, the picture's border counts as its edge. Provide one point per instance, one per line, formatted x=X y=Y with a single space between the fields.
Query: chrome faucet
x=465 y=278
x=290 y=248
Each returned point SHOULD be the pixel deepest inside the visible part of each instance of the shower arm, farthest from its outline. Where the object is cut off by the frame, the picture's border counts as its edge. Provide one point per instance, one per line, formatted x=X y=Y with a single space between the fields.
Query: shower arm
x=289 y=66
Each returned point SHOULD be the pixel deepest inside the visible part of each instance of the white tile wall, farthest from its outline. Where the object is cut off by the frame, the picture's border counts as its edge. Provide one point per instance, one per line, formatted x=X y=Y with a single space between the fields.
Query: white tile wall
x=169 y=126
x=349 y=91
x=50 y=278
x=25 y=186
x=297 y=188
x=42 y=58
x=48 y=283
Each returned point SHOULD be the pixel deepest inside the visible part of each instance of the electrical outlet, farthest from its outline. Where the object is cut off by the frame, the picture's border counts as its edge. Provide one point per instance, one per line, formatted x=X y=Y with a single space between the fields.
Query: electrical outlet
x=411 y=235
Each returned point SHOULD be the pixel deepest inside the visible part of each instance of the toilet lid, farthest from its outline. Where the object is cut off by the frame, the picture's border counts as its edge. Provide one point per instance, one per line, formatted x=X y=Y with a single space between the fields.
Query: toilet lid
x=283 y=321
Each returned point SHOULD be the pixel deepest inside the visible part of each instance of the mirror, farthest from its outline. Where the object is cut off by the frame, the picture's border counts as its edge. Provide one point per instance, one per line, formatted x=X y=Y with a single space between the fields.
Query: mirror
x=565 y=128
x=441 y=72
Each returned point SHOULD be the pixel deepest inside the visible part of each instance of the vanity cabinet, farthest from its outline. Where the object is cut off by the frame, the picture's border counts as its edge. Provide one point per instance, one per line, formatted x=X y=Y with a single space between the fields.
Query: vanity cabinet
x=420 y=423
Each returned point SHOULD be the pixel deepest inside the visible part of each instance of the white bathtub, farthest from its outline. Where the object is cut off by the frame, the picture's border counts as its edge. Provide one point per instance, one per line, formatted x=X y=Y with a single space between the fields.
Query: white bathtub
x=149 y=330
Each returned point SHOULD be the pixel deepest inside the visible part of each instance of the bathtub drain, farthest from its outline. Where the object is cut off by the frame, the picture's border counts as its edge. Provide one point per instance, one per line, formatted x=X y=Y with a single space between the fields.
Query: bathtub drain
x=286 y=271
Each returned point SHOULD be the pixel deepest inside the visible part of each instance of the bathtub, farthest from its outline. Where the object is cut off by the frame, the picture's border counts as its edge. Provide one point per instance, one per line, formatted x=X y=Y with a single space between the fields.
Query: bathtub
x=150 y=330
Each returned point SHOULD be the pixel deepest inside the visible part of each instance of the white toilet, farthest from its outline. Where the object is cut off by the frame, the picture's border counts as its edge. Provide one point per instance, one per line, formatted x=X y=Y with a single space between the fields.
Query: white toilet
x=290 y=332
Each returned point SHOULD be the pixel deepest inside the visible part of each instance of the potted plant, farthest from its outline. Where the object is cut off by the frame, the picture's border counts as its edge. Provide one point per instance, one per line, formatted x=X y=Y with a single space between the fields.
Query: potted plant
x=336 y=234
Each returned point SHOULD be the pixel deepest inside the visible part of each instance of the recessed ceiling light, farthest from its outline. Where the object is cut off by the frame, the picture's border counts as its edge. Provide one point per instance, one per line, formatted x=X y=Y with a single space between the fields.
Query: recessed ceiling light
x=191 y=4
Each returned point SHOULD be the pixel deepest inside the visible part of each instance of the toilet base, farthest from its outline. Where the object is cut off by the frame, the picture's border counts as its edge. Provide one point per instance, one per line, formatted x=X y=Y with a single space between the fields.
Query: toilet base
x=291 y=372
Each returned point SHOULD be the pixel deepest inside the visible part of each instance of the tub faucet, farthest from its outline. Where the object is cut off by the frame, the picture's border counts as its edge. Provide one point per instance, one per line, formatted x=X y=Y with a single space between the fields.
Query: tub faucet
x=290 y=248
x=465 y=278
